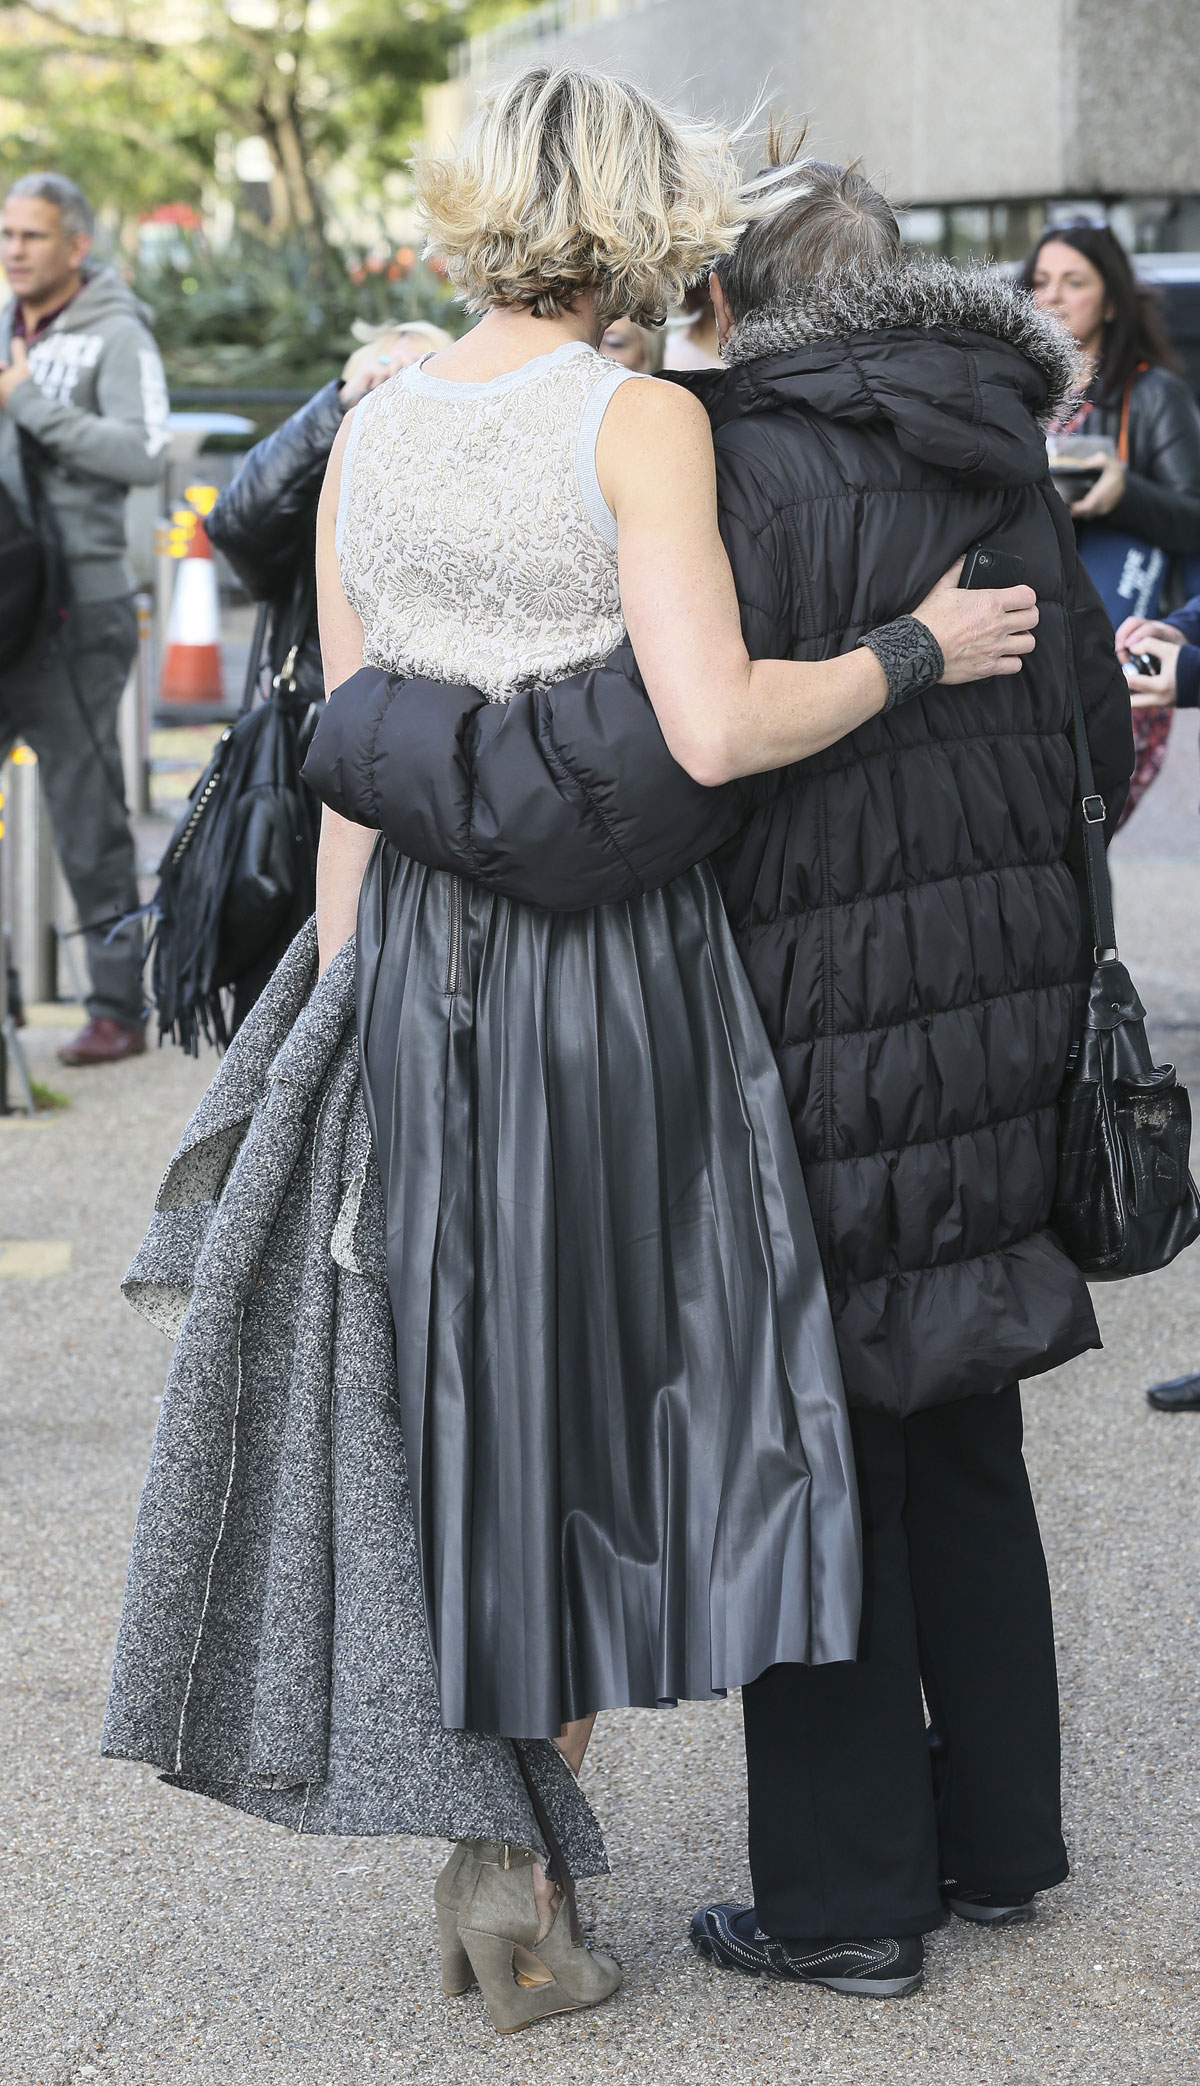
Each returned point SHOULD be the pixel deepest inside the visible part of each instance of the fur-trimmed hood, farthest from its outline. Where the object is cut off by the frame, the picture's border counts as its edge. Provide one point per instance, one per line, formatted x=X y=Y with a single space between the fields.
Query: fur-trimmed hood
x=922 y=293
x=965 y=368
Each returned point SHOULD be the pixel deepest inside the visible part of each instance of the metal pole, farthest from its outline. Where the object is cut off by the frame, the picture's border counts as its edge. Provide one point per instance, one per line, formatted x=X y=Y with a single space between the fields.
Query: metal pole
x=164 y=583
x=12 y=1057
x=129 y=739
x=133 y=716
x=32 y=879
x=147 y=686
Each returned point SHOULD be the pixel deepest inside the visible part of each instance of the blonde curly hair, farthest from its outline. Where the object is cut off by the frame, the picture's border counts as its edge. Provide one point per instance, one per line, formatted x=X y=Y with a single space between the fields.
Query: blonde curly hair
x=571 y=181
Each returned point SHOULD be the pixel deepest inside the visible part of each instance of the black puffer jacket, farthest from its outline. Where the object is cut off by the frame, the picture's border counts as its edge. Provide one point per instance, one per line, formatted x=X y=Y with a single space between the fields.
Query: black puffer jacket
x=903 y=902
x=265 y=523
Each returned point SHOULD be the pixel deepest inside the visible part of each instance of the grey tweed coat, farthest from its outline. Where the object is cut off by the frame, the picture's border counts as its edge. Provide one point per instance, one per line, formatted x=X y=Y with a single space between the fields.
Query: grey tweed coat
x=273 y=1651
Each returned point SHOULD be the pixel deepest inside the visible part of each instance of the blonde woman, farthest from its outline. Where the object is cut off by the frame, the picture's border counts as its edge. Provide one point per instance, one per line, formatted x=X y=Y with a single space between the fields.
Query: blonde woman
x=621 y=1402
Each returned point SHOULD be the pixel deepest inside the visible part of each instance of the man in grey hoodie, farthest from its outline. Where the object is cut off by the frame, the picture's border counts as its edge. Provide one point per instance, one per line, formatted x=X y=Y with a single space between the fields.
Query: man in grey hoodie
x=83 y=415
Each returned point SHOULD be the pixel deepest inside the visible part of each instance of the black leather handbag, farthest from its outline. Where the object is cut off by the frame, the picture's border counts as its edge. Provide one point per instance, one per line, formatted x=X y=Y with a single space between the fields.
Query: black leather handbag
x=1125 y=1202
x=237 y=880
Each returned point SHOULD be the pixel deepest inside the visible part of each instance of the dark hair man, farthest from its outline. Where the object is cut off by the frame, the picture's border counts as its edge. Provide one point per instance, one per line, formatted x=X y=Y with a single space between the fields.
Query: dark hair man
x=83 y=416
x=907 y=908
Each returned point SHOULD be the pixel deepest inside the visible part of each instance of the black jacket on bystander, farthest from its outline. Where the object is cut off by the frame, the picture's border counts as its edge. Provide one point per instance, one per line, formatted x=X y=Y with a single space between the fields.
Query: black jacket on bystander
x=265 y=524
x=1161 y=500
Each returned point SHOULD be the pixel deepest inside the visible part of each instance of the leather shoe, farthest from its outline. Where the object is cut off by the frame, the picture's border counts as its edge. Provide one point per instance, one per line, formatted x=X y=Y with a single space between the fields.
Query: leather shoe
x=103 y=1042
x=1182 y=1394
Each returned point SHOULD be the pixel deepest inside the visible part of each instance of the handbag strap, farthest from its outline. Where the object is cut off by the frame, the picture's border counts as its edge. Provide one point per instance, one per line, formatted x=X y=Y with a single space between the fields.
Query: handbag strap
x=300 y=616
x=1126 y=405
x=1092 y=806
x=299 y=619
x=258 y=645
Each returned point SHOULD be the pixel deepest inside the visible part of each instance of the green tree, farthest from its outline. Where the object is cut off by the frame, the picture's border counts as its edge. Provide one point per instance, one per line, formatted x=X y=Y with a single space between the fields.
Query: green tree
x=131 y=97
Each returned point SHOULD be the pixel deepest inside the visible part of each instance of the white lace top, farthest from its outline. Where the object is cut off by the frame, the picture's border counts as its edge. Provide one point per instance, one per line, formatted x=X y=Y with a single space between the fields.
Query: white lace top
x=472 y=536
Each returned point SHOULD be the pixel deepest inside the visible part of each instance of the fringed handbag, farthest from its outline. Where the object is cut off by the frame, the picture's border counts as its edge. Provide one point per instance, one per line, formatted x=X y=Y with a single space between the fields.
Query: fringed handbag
x=1125 y=1202
x=238 y=876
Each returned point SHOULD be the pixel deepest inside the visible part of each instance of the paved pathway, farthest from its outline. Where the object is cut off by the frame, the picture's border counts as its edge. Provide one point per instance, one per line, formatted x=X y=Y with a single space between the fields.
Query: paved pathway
x=156 y=1940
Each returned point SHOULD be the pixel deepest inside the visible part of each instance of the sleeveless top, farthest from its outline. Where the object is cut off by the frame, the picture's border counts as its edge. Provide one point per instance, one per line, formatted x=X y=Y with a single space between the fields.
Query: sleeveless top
x=473 y=539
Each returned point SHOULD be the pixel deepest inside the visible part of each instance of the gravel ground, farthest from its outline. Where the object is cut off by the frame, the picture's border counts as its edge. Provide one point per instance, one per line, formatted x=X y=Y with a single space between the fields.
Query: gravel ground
x=156 y=1940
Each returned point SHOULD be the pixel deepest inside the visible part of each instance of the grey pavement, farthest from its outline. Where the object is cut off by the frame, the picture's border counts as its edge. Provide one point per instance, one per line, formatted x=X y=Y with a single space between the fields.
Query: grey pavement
x=154 y=1939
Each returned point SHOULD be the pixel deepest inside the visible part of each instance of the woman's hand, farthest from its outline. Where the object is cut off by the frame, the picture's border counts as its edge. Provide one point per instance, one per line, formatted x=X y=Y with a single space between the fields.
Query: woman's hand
x=356 y=386
x=1141 y=634
x=1157 y=691
x=982 y=630
x=1107 y=492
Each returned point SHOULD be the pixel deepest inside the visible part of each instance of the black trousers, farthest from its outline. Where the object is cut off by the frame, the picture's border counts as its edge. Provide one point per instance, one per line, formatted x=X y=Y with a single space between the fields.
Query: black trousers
x=62 y=699
x=854 y=1817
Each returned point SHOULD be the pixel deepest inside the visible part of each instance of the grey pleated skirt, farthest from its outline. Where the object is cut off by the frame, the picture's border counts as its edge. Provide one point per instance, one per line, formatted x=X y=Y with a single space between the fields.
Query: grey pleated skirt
x=619 y=1389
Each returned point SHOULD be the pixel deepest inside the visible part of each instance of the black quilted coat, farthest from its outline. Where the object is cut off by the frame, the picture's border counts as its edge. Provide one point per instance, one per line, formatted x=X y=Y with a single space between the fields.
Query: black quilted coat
x=905 y=903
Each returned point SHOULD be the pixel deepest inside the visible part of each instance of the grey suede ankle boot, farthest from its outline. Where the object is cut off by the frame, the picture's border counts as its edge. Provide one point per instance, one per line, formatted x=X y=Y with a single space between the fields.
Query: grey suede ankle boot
x=450 y=1894
x=523 y=1979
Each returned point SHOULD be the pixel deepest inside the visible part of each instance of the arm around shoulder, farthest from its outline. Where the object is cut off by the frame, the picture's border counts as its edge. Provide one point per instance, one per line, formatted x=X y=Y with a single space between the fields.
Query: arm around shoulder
x=723 y=715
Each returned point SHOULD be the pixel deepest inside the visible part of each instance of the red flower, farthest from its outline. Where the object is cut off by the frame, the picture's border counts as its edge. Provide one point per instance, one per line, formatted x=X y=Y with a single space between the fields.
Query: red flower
x=180 y=214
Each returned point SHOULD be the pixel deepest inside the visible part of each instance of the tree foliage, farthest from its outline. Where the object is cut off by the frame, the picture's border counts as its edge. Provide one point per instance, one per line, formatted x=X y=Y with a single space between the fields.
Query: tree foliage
x=132 y=98
x=264 y=313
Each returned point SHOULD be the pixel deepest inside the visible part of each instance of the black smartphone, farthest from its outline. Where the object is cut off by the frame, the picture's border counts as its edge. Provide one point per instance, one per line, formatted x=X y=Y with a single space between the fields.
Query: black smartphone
x=1145 y=663
x=991 y=568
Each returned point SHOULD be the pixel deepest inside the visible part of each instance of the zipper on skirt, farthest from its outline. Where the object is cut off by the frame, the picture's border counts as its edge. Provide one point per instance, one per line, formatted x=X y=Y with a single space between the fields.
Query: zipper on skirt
x=454 y=951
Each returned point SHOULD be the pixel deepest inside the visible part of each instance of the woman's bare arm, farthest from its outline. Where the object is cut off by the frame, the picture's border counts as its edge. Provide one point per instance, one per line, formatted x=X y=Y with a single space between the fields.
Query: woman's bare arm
x=344 y=847
x=723 y=714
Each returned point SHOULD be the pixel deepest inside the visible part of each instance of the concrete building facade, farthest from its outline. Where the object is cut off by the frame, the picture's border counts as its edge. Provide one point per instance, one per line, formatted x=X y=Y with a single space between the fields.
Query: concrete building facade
x=976 y=117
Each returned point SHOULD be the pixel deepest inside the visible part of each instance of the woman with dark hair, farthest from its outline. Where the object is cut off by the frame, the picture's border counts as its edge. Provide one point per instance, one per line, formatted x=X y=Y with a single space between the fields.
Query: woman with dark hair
x=1149 y=489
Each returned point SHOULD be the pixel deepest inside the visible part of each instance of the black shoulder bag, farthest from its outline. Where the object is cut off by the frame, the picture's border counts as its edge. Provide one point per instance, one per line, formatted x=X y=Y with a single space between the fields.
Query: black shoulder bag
x=1125 y=1202
x=238 y=876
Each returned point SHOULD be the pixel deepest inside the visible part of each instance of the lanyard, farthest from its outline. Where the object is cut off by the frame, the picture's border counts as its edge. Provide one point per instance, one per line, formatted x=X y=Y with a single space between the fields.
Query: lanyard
x=1073 y=425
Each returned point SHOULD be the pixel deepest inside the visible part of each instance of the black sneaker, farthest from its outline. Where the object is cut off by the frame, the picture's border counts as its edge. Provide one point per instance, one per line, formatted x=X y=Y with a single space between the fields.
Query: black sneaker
x=730 y=1936
x=991 y=1908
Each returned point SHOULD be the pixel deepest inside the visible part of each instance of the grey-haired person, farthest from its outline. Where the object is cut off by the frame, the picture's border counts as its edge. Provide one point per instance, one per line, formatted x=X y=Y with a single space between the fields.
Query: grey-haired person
x=83 y=416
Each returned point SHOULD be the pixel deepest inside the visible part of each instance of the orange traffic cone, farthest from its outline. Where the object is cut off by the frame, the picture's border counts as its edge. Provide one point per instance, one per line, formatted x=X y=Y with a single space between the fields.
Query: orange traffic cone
x=192 y=667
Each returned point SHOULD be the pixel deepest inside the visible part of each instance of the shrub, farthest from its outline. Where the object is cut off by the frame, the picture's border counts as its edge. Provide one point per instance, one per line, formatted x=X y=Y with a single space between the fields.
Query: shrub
x=269 y=313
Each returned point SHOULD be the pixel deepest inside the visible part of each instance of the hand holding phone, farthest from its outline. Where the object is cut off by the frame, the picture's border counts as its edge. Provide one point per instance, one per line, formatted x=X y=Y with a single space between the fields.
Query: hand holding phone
x=991 y=568
x=989 y=634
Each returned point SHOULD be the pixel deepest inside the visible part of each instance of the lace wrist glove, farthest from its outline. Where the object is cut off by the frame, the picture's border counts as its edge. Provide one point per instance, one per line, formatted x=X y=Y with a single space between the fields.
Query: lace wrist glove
x=910 y=656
